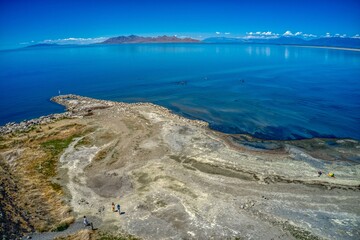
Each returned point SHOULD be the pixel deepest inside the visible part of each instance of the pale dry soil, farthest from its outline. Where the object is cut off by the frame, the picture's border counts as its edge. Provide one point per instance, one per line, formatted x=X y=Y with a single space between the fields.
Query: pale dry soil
x=177 y=179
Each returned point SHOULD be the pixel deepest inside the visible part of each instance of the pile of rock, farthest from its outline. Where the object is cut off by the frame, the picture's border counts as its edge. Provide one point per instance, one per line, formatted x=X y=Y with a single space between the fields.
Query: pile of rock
x=166 y=112
x=81 y=105
x=26 y=125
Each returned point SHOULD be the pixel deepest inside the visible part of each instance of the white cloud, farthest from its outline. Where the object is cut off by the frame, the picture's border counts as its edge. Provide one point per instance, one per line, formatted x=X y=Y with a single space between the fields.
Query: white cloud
x=72 y=40
x=260 y=35
x=270 y=35
x=288 y=34
x=299 y=34
x=305 y=35
x=338 y=35
x=218 y=33
x=267 y=33
x=227 y=33
x=27 y=43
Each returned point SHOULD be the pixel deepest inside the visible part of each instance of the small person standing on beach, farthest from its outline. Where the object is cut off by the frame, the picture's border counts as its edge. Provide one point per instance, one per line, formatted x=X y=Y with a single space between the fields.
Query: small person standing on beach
x=87 y=223
x=113 y=207
x=331 y=174
x=118 y=208
x=319 y=173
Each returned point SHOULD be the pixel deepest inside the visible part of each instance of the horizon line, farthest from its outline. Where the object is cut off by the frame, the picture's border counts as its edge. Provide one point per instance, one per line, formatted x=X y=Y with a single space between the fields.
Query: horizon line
x=248 y=35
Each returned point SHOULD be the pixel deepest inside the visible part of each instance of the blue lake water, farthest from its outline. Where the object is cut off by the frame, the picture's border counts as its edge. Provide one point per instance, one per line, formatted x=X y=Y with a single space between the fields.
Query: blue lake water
x=271 y=92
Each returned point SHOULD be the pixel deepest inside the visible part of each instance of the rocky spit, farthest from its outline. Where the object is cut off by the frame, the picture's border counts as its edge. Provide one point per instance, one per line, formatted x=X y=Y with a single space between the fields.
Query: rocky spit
x=79 y=106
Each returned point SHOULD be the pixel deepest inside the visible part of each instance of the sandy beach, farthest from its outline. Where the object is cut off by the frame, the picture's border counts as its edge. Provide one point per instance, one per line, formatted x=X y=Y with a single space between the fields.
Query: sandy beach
x=174 y=178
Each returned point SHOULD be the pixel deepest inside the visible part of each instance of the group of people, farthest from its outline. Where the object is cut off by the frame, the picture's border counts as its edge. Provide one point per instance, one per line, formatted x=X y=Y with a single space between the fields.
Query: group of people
x=90 y=224
x=117 y=208
x=330 y=174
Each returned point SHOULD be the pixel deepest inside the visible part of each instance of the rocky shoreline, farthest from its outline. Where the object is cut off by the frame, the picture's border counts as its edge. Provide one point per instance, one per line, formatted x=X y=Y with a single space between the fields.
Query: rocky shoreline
x=175 y=177
x=79 y=106
x=27 y=125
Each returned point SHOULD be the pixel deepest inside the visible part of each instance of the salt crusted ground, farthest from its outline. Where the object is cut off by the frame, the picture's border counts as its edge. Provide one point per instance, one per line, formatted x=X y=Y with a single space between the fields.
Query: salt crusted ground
x=177 y=179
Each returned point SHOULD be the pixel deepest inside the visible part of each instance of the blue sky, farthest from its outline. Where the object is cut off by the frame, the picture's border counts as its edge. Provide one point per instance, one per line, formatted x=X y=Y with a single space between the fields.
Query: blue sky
x=23 y=22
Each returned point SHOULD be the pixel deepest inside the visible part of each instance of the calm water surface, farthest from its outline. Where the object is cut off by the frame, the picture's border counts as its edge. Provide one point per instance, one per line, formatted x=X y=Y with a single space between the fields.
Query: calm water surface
x=272 y=92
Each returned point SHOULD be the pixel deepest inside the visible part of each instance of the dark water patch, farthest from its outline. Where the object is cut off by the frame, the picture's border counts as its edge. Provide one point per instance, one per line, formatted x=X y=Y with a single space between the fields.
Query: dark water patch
x=273 y=132
x=257 y=144
x=331 y=143
x=181 y=83
x=318 y=151
x=226 y=129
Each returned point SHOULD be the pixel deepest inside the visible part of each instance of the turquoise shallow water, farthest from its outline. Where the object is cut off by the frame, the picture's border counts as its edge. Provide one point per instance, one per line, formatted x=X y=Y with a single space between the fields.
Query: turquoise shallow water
x=271 y=92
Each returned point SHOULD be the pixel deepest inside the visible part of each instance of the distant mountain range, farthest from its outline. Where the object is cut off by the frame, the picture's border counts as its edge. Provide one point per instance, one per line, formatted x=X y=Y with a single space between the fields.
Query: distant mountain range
x=324 y=41
x=139 y=39
x=343 y=42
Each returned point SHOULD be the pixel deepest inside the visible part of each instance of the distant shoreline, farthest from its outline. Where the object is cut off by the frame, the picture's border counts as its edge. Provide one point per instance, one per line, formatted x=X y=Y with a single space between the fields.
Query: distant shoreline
x=325 y=47
x=290 y=45
x=36 y=46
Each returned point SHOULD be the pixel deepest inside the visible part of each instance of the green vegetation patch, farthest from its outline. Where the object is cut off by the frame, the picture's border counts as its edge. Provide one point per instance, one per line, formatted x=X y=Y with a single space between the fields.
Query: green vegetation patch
x=61 y=227
x=54 y=148
x=64 y=224
x=86 y=141
x=57 y=187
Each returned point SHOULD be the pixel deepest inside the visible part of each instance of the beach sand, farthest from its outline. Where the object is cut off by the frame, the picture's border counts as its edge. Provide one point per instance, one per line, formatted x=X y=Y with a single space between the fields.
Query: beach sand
x=177 y=179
